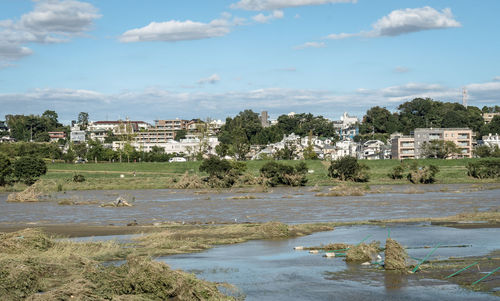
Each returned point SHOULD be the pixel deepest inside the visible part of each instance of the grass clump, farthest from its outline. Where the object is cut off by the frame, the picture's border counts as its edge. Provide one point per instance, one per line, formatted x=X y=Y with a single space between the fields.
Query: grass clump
x=363 y=252
x=395 y=255
x=189 y=181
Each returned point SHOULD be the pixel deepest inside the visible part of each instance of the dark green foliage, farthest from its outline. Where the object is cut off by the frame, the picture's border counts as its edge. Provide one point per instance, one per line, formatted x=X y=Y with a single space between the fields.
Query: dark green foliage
x=78 y=178
x=181 y=134
x=5 y=169
x=397 y=172
x=29 y=169
x=439 y=149
x=42 y=150
x=222 y=173
x=348 y=169
x=422 y=174
x=34 y=127
x=379 y=120
x=281 y=174
x=491 y=128
x=483 y=169
x=484 y=151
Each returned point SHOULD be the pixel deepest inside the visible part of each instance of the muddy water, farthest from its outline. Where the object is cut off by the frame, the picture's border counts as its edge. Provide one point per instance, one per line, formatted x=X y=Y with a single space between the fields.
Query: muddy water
x=271 y=270
x=289 y=205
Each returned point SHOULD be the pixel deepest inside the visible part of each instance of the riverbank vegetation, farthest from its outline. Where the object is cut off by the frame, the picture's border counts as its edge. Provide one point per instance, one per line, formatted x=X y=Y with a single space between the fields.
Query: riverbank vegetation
x=146 y=175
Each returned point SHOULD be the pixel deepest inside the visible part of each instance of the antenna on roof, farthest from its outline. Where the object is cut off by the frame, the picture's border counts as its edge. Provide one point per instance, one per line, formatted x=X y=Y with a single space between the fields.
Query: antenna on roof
x=465 y=96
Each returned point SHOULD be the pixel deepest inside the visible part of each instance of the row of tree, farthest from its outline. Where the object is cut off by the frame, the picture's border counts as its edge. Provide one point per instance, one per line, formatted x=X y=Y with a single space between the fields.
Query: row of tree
x=425 y=113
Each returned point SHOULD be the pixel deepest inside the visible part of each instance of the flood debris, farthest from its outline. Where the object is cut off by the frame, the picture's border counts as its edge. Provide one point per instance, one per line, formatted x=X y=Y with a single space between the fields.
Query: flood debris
x=119 y=202
x=299 y=248
x=395 y=255
x=30 y=194
x=363 y=252
x=190 y=181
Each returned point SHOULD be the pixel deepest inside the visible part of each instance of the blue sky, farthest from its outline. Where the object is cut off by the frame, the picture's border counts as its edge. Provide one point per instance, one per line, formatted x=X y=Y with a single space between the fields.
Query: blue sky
x=161 y=59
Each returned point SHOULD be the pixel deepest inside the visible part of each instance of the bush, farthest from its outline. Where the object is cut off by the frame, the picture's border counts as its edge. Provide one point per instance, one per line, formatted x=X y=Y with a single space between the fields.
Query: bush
x=277 y=173
x=397 y=172
x=222 y=173
x=348 y=168
x=5 y=169
x=29 y=169
x=422 y=174
x=78 y=178
x=483 y=169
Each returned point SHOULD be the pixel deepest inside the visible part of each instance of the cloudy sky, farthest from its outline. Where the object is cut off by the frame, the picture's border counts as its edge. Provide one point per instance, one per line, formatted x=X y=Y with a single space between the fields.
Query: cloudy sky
x=160 y=59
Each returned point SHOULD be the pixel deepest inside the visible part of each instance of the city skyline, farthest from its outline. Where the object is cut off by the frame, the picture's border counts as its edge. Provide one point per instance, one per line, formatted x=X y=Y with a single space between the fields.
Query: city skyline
x=190 y=59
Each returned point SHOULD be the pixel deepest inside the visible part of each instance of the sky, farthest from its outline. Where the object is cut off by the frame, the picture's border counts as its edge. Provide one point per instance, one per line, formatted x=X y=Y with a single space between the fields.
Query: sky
x=157 y=59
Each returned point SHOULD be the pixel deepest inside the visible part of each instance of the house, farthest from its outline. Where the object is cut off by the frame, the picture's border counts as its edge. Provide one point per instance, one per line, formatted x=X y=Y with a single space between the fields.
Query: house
x=373 y=150
x=55 y=136
x=488 y=117
x=492 y=140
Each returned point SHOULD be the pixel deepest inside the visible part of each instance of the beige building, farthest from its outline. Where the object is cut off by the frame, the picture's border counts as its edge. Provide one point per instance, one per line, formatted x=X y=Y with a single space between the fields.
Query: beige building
x=488 y=117
x=410 y=147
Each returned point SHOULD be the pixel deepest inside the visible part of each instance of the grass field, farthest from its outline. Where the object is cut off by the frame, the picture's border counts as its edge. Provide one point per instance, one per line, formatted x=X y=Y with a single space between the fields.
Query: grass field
x=162 y=175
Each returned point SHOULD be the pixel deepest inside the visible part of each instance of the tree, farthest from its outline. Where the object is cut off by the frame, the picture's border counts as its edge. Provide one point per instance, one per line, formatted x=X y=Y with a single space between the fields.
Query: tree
x=181 y=134
x=439 y=149
x=379 y=120
x=288 y=152
x=5 y=169
x=348 y=169
x=83 y=119
x=80 y=150
x=277 y=173
x=29 y=169
x=491 y=128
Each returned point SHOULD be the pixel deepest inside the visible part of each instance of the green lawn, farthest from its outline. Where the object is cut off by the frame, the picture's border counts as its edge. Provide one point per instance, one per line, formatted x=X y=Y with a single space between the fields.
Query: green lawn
x=154 y=175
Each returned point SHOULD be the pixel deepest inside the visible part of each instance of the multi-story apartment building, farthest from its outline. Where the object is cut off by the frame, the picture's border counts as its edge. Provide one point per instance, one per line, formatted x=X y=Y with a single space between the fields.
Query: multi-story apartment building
x=411 y=147
x=99 y=129
x=172 y=125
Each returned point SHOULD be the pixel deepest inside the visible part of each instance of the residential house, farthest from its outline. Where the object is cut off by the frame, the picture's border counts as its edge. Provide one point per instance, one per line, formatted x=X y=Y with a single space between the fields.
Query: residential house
x=55 y=136
x=492 y=140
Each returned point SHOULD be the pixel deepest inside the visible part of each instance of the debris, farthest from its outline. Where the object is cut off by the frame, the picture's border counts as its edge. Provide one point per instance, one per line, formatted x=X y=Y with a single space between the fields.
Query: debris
x=329 y=254
x=299 y=248
x=30 y=194
x=314 y=251
x=363 y=252
x=457 y=272
x=366 y=263
x=425 y=258
x=395 y=255
x=476 y=282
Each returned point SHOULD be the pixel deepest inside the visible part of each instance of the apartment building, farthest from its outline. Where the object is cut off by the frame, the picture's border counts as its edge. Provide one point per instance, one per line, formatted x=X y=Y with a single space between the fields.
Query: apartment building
x=411 y=147
x=172 y=125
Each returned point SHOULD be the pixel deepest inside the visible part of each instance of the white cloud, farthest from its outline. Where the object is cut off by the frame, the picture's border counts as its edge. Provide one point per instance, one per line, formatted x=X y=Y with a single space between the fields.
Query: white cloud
x=51 y=21
x=156 y=103
x=261 y=18
x=279 y=4
x=310 y=45
x=405 y=21
x=212 y=79
x=172 y=31
x=496 y=79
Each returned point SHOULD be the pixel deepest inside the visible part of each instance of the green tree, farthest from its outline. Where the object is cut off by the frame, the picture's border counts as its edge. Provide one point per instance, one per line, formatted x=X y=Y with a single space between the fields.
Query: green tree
x=348 y=169
x=181 y=134
x=379 y=121
x=80 y=150
x=29 y=169
x=439 y=149
x=83 y=119
x=5 y=169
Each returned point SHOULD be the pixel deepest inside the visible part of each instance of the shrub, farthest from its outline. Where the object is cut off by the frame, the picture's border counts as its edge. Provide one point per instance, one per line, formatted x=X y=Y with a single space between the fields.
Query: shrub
x=78 y=178
x=422 y=174
x=5 y=169
x=348 y=169
x=29 y=169
x=222 y=173
x=277 y=173
x=483 y=169
x=397 y=172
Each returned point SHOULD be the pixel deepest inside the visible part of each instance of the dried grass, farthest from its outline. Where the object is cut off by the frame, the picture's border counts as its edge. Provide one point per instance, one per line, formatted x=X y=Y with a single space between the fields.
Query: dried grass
x=395 y=255
x=188 y=181
x=30 y=194
x=363 y=252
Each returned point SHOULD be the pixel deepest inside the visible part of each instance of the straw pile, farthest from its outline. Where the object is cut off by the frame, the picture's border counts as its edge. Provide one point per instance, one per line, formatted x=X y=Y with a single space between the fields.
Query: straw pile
x=395 y=255
x=363 y=252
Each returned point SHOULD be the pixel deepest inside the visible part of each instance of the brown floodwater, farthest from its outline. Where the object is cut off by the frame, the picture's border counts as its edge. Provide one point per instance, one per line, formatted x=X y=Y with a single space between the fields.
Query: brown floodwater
x=285 y=204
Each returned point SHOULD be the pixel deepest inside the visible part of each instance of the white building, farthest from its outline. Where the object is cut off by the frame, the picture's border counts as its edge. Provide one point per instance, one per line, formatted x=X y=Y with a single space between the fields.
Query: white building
x=492 y=140
x=187 y=146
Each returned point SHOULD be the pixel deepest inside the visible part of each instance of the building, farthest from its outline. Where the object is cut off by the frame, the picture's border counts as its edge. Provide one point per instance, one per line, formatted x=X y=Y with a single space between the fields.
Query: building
x=3 y=126
x=403 y=147
x=411 y=147
x=189 y=146
x=347 y=127
x=492 y=140
x=99 y=130
x=172 y=125
x=55 y=136
x=373 y=150
x=264 y=119
x=488 y=117
x=77 y=135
